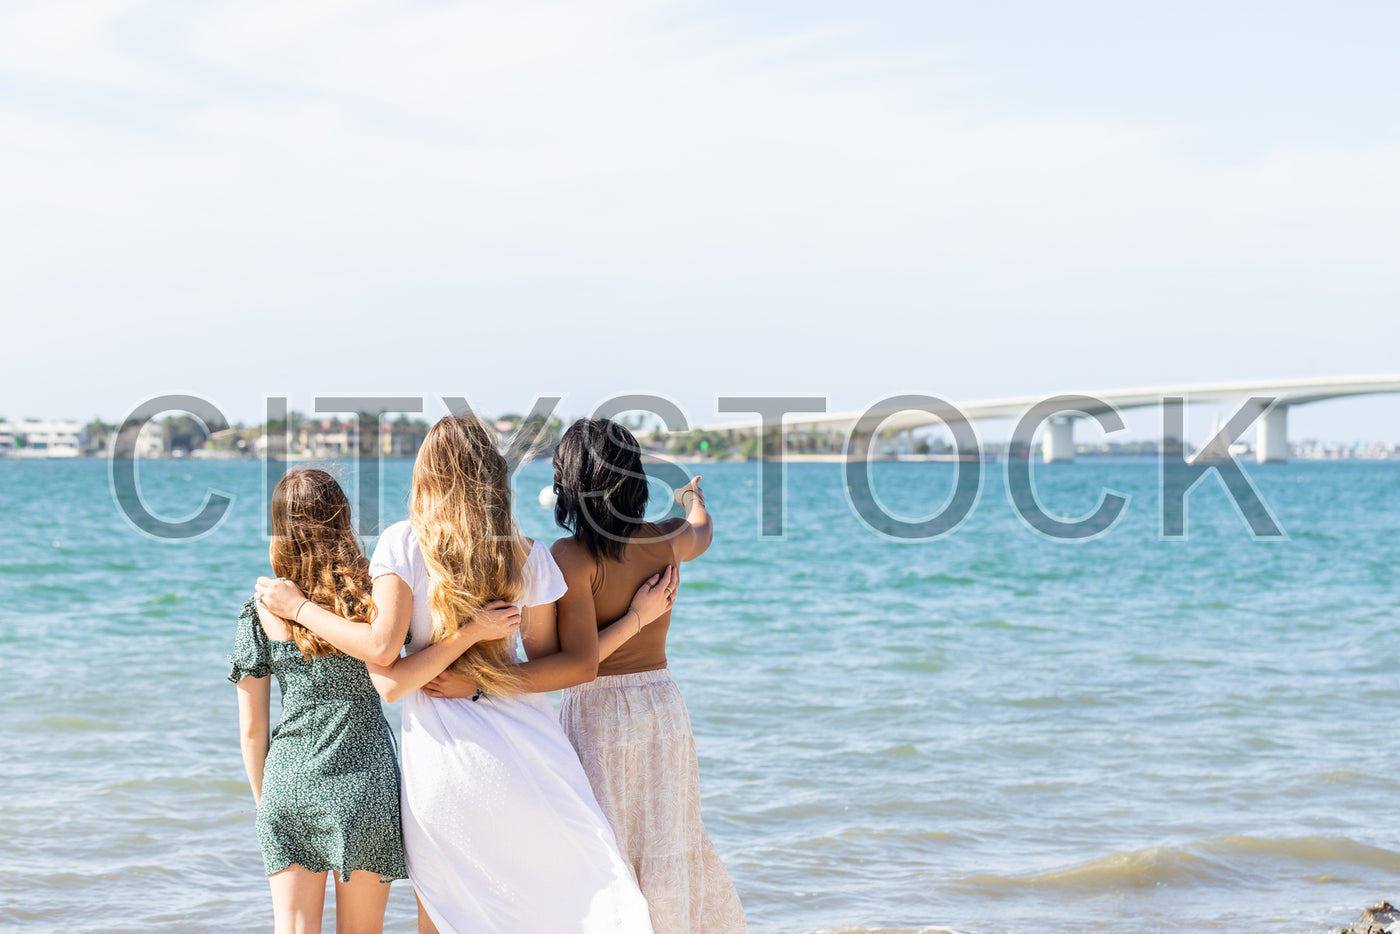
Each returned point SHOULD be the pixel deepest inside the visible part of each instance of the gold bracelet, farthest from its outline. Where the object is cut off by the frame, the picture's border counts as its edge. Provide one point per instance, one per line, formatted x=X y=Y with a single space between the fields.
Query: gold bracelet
x=639 y=619
x=296 y=616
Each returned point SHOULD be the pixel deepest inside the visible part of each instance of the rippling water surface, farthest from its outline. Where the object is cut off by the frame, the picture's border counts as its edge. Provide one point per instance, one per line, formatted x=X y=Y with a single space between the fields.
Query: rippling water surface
x=991 y=732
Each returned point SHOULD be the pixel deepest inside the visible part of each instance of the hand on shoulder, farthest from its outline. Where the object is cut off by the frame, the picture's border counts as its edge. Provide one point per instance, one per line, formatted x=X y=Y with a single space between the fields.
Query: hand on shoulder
x=279 y=596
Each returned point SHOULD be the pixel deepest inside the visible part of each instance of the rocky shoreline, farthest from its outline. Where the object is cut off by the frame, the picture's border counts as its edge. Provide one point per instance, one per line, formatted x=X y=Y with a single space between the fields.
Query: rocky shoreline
x=1380 y=918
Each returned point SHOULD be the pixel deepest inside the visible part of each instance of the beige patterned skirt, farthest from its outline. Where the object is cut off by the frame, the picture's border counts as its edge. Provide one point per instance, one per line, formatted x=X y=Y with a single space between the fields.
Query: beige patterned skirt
x=632 y=733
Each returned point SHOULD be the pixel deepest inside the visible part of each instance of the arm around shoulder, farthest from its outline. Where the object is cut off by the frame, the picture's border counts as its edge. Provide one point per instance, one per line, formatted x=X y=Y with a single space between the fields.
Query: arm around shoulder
x=377 y=642
x=568 y=627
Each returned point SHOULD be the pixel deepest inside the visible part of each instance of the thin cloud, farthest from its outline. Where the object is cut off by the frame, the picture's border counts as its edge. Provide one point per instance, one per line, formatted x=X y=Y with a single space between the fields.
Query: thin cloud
x=170 y=161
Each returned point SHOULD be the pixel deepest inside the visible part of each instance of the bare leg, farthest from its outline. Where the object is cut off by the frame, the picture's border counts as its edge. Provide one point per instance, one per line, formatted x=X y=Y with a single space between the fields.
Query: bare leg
x=360 y=903
x=298 y=897
x=425 y=923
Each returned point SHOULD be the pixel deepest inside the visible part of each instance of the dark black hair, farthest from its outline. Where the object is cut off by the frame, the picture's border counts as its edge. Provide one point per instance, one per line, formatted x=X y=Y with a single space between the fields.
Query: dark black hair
x=600 y=485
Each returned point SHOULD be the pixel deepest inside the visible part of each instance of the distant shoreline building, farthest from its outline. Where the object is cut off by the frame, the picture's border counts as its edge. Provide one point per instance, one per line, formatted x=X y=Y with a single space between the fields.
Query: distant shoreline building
x=41 y=439
x=298 y=438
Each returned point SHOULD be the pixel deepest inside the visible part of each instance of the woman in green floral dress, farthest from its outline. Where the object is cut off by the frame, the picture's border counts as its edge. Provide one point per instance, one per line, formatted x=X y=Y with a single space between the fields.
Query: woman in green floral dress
x=326 y=781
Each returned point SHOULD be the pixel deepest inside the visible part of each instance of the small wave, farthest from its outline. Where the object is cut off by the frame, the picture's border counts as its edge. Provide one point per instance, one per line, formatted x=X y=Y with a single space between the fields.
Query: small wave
x=1309 y=849
x=1004 y=624
x=885 y=931
x=35 y=569
x=73 y=723
x=700 y=586
x=201 y=782
x=992 y=624
x=918 y=581
x=1138 y=658
x=932 y=667
x=1207 y=605
x=1221 y=860
x=1134 y=869
x=1044 y=701
x=54 y=589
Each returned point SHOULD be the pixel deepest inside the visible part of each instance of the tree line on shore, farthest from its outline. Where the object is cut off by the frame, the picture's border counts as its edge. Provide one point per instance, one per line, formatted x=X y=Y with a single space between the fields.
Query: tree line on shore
x=366 y=434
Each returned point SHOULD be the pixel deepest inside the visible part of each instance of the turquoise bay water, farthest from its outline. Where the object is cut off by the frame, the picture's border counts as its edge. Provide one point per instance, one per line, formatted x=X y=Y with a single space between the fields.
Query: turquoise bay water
x=991 y=732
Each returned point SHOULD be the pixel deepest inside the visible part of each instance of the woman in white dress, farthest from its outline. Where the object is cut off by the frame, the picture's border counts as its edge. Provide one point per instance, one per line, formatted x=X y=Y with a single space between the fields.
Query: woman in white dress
x=501 y=829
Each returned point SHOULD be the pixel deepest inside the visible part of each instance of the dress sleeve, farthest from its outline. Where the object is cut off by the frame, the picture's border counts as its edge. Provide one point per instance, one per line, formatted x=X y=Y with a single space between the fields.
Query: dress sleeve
x=544 y=582
x=251 y=656
x=391 y=553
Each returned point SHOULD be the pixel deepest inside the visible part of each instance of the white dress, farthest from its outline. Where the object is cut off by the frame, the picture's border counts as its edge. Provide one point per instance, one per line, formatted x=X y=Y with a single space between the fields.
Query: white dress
x=500 y=826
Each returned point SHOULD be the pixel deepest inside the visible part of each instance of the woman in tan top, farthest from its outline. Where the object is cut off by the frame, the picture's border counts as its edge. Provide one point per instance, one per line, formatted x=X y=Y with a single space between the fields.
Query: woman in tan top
x=630 y=726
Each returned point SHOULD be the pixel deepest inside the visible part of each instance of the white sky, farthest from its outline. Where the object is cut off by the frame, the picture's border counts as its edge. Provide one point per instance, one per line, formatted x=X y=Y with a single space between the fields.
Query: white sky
x=508 y=199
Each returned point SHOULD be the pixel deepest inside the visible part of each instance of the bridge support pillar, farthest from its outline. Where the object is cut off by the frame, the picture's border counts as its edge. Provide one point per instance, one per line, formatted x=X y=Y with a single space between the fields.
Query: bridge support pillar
x=1271 y=436
x=1057 y=445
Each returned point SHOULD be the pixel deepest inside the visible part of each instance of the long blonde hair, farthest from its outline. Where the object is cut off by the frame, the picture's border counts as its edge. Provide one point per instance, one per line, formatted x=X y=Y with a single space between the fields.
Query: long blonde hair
x=315 y=547
x=460 y=507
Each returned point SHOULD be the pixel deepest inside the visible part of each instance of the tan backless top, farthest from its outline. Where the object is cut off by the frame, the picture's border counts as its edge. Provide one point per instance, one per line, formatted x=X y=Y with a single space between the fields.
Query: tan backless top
x=614 y=585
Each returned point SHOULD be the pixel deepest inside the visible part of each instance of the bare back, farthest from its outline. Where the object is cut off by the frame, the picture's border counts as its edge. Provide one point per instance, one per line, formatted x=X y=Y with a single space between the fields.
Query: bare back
x=614 y=585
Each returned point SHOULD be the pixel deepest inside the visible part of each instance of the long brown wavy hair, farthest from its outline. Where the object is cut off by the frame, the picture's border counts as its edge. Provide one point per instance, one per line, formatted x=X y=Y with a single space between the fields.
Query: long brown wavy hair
x=460 y=507
x=315 y=547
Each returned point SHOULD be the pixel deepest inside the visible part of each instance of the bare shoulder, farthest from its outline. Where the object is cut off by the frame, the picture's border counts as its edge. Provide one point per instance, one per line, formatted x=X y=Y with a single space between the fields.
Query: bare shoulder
x=670 y=530
x=672 y=525
x=571 y=556
x=272 y=626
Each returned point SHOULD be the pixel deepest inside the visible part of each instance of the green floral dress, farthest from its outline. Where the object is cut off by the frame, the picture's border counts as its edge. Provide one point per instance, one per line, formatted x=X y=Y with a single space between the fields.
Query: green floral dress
x=330 y=798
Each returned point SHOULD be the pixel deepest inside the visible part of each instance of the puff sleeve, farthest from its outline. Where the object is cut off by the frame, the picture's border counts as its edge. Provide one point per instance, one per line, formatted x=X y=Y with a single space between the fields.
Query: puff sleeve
x=544 y=582
x=395 y=553
x=252 y=657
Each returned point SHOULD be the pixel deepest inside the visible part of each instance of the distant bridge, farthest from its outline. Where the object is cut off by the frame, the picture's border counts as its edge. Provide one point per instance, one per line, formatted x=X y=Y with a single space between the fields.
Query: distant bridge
x=1057 y=444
